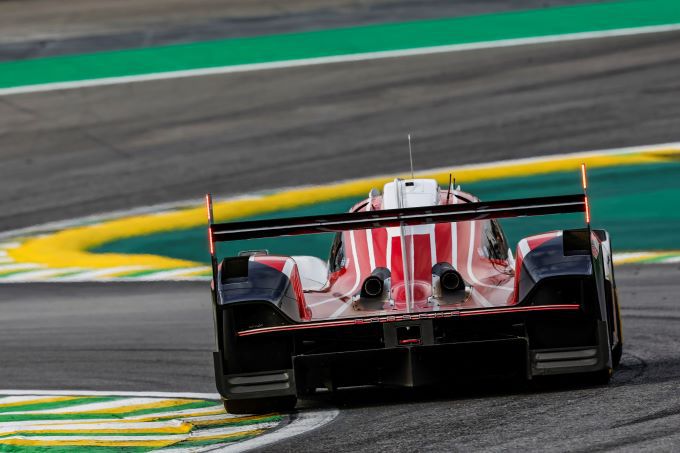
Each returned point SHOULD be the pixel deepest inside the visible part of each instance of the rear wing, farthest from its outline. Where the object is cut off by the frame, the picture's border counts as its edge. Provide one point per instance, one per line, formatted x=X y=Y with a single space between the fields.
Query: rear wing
x=332 y=223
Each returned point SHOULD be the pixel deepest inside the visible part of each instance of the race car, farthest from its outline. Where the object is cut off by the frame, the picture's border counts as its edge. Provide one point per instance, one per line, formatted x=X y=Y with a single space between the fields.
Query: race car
x=420 y=288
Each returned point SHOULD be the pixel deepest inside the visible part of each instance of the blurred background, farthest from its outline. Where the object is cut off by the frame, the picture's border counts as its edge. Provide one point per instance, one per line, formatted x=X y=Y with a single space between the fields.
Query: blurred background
x=117 y=116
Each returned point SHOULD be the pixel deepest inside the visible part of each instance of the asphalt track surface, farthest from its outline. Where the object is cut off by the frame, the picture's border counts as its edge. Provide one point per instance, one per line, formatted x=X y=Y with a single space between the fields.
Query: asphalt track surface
x=159 y=336
x=76 y=152
x=79 y=152
x=40 y=28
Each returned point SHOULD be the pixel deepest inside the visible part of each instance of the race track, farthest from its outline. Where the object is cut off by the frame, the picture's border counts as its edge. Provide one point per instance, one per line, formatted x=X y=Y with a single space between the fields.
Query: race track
x=158 y=337
x=141 y=144
x=79 y=152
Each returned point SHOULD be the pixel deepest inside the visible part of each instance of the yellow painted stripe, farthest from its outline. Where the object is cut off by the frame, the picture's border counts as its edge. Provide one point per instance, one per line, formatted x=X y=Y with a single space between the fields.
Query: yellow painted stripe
x=87 y=443
x=253 y=432
x=47 y=442
x=173 y=416
x=182 y=428
x=69 y=247
x=637 y=257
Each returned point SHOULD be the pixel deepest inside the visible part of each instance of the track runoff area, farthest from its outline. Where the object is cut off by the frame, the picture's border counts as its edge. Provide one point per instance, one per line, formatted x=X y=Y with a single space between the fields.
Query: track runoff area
x=140 y=244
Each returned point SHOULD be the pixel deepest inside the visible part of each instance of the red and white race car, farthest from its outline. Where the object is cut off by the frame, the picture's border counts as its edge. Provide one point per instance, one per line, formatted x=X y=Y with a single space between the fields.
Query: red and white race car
x=420 y=288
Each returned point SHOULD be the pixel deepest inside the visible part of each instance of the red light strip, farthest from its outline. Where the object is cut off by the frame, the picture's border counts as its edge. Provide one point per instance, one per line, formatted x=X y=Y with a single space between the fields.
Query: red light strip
x=208 y=208
x=584 y=180
x=411 y=317
x=211 y=242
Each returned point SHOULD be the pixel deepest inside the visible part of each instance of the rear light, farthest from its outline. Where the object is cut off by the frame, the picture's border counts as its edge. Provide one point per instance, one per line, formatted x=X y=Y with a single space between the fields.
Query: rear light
x=407 y=335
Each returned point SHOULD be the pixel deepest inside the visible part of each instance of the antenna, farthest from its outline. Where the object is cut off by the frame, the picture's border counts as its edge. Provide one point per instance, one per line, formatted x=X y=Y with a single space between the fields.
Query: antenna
x=448 y=192
x=410 y=154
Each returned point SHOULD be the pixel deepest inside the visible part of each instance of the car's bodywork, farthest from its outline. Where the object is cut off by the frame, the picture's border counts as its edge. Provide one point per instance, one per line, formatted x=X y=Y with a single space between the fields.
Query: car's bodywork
x=420 y=288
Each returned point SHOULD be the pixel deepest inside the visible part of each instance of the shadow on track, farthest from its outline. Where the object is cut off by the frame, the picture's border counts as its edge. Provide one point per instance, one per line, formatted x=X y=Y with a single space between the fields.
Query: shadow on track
x=370 y=396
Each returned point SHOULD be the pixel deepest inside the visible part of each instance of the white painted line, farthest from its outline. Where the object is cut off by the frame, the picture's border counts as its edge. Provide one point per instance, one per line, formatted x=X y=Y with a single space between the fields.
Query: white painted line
x=90 y=407
x=302 y=423
x=225 y=431
x=173 y=273
x=189 y=415
x=204 y=396
x=89 y=275
x=335 y=59
x=47 y=439
x=672 y=260
x=94 y=430
x=82 y=425
x=18 y=267
x=5 y=400
x=43 y=274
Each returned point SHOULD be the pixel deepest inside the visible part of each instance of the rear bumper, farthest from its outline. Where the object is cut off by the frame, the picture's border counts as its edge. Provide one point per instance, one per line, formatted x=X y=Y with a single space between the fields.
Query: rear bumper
x=424 y=363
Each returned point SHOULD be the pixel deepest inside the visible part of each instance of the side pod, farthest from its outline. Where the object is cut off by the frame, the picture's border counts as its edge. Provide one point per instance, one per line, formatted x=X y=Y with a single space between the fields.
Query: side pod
x=567 y=267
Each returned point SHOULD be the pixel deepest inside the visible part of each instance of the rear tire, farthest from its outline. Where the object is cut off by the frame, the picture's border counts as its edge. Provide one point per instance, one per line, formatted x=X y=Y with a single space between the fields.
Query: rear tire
x=617 y=352
x=261 y=405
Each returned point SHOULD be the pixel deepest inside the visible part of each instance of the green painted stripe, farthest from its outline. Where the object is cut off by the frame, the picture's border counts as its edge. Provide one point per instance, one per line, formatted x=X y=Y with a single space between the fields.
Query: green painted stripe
x=19 y=271
x=195 y=431
x=228 y=422
x=194 y=405
x=75 y=448
x=198 y=443
x=46 y=436
x=139 y=273
x=343 y=41
x=9 y=417
x=56 y=404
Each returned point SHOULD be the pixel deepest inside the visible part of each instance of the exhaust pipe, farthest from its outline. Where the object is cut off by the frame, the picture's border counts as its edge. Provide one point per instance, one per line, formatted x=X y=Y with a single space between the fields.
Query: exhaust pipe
x=449 y=279
x=374 y=285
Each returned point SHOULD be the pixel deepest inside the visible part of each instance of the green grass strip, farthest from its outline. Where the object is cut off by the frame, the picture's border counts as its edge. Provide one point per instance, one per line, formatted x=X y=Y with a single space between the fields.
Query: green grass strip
x=342 y=41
